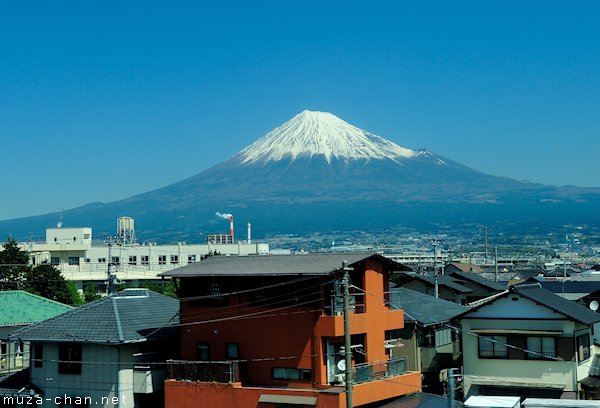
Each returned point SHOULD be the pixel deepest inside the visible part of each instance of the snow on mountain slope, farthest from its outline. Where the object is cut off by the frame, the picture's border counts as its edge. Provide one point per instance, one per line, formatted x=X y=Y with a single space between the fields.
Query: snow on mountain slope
x=312 y=133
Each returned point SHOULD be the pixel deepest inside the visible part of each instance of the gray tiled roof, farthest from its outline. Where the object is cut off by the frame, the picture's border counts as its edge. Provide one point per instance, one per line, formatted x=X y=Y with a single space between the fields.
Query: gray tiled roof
x=424 y=309
x=552 y=301
x=128 y=316
x=446 y=281
x=275 y=265
x=476 y=278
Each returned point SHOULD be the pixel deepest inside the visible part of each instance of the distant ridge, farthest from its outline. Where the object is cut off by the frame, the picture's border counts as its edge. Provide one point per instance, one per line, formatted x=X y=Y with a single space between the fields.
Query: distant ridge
x=317 y=172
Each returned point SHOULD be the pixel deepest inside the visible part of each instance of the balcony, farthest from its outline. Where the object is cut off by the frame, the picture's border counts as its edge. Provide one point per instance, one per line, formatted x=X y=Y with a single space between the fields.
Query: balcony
x=377 y=370
x=204 y=371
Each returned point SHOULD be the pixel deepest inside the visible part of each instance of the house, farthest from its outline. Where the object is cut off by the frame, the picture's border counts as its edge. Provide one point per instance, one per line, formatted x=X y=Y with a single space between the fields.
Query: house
x=19 y=309
x=268 y=331
x=447 y=288
x=105 y=353
x=528 y=342
x=480 y=286
x=427 y=339
x=462 y=267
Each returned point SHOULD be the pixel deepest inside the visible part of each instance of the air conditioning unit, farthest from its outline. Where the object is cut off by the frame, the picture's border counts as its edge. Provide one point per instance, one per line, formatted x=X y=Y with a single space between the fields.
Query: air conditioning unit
x=389 y=344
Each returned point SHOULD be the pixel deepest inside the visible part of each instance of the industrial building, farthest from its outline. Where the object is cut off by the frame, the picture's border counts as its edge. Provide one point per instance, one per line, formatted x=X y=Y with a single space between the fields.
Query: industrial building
x=80 y=259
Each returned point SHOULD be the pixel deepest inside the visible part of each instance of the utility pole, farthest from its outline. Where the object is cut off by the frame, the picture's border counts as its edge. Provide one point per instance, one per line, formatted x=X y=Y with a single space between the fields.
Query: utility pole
x=435 y=243
x=347 y=341
x=496 y=263
x=451 y=385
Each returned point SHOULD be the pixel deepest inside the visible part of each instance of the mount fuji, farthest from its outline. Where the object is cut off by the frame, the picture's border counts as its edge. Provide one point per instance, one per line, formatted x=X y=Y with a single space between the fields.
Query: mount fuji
x=317 y=172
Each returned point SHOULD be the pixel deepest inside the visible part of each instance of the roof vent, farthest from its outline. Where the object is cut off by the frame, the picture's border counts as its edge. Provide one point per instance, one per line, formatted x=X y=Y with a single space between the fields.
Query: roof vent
x=522 y=286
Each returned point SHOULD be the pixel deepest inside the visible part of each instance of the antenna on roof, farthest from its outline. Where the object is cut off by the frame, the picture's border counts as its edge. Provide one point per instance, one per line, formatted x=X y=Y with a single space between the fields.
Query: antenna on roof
x=60 y=220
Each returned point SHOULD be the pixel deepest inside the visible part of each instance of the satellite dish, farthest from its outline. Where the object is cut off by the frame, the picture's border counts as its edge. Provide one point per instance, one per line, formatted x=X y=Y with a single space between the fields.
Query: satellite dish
x=59 y=224
x=341 y=365
x=594 y=305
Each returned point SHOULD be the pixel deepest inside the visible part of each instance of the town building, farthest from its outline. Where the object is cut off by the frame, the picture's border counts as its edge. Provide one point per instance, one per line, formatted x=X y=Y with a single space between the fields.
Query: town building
x=529 y=342
x=83 y=260
x=106 y=353
x=268 y=332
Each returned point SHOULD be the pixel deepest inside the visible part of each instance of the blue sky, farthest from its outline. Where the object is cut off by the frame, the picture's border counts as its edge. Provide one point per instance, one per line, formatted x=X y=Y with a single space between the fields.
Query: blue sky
x=102 y=101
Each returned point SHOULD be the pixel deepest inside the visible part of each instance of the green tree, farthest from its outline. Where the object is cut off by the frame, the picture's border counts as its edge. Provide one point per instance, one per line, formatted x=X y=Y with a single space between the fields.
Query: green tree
x=90 y=293
x=13 y=266
x=166 y=288
x=45 y=280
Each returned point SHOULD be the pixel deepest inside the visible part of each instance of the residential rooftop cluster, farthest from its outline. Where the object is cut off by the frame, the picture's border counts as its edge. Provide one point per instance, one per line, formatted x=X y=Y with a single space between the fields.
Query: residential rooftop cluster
x=312 y=330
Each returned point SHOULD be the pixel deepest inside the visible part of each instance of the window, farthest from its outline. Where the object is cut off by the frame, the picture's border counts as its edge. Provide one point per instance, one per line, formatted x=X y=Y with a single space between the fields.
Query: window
x=38 y=355
x=583 y=347
x=101 y=260
x=54 y=260
x=287 y=373
x=162 y=259
x=540 y=348
x=133 y=260
x=493 y=347
x=443 y=337
x=69 y=356
x=174 y=259
x=233 y=350
x=88 y=260
x=73 y=260
x=202 y=351
x=115 y=260
x=144 y=260
x=191 y=258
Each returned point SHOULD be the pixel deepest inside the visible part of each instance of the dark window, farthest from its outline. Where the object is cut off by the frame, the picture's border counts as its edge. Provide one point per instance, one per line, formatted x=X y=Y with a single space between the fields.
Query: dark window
x=191 y=258
x=133 y=260
x=162 y=259
x=288 y=373
x=202 y=351
x=583 y=347
x=493 y=347
x=55 y=260
x=174 y=259
x=101 y=260
x=145 y=260
x=38 y=355
x=115 y=260
x=233 y=350
x=73 y=260
x=69 y=356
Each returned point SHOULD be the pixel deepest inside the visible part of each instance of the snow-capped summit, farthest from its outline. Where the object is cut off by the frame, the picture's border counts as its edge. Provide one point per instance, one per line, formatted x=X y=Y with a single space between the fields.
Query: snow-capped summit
x=312 y=133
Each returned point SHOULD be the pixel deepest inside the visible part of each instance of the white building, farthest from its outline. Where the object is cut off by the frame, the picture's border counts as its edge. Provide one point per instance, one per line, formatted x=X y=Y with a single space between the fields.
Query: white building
x=72 y=251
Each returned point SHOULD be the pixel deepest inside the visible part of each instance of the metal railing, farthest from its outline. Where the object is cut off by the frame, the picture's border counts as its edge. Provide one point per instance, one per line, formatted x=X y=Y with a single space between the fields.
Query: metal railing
x=379 y=369
x=204 y=371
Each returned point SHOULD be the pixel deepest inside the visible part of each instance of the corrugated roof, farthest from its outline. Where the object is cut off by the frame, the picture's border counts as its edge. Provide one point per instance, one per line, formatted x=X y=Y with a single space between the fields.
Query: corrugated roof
x=18 y=307
x=424 y=309
x=420 y=400
x=446 y=281
x=275 y=265
x=128 y=316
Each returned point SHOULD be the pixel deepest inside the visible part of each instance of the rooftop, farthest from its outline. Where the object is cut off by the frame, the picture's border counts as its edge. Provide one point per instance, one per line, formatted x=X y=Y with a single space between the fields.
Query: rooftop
x=131 y=315
x=424 y=309
x=276 y=265
x=18 y=307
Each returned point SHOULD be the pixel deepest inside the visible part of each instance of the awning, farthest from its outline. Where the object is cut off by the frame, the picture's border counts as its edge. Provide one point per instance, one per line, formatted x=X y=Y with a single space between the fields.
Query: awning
x=287 y=399
x=518 y=331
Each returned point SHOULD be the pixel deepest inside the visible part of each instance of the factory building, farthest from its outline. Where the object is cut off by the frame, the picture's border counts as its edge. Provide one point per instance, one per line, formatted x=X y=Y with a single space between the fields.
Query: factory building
x=80 y=259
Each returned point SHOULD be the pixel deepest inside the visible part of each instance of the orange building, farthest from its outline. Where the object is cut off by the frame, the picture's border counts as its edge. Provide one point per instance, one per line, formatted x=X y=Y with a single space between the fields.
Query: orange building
x=267 y=331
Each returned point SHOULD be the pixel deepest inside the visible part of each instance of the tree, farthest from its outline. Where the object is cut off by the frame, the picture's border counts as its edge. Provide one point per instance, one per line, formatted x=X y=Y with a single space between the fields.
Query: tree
x=13 y=266
x=90 y=293
x=46 y=281
x=165 y=288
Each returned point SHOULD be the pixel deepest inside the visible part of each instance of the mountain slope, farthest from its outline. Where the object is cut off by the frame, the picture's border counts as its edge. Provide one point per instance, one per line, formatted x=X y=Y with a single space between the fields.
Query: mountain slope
x=317 y=171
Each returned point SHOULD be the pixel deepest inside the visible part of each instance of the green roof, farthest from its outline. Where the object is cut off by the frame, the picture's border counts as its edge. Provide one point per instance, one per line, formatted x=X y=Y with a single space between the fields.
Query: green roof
x=18 y=307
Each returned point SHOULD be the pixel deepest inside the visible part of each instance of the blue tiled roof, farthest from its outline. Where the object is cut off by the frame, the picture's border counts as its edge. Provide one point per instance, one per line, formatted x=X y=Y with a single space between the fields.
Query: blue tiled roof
x=128 y=316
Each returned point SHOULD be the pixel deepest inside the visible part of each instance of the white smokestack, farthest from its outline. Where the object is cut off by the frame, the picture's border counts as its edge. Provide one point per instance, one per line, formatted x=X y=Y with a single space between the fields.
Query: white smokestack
x=249 y=233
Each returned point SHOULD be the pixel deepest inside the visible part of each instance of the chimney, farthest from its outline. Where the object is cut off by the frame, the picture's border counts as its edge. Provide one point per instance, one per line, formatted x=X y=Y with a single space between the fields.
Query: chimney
x=231 y=227
x=249 y=233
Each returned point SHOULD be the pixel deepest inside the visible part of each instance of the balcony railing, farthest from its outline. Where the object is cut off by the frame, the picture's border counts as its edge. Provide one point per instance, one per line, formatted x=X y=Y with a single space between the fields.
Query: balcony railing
x=379 y=369
x=204 y=371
